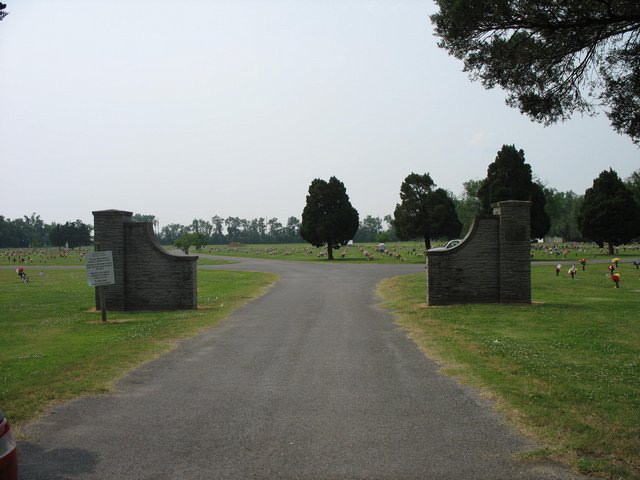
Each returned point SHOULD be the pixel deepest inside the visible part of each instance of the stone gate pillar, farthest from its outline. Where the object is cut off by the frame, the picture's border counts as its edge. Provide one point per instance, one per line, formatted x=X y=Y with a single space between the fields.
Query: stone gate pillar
x=108 y=228
x=515 y=250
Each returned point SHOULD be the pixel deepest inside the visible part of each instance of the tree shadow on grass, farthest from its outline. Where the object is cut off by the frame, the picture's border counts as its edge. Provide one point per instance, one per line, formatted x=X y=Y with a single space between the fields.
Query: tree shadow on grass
x=37 y=463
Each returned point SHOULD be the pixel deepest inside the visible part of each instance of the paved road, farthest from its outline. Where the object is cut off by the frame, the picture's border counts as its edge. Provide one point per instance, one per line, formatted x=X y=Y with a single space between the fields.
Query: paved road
x=311 y=381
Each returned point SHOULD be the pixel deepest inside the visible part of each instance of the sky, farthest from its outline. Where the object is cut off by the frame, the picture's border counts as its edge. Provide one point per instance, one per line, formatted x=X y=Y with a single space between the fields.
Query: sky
x=197 y=108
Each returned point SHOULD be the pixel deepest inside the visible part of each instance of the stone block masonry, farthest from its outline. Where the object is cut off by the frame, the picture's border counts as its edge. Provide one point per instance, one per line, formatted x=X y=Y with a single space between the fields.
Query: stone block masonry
x=146 y=276
x=491 y=265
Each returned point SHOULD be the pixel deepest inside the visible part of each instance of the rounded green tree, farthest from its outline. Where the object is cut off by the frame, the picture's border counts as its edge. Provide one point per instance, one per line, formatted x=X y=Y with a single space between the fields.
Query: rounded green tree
x=425 y=212
x=328 y=217
x=509 y=178
x=609 y=213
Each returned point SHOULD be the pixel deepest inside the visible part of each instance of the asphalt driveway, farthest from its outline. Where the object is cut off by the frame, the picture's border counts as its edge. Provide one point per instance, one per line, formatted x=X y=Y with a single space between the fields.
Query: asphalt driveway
x=311 y=381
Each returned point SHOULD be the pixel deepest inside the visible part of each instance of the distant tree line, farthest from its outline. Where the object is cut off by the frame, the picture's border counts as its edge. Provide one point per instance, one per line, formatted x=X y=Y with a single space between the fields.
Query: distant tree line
x=608 y=213
x=222 y=231
x=33 y=232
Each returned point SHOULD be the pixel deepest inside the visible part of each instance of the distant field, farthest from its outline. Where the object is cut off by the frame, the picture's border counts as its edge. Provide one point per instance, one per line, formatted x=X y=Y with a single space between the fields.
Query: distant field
x=43 y=256
x=589 y=251
x=565 y=369
x=54 y=347
x=53 y=256
x=396 y=252
x=409 y=252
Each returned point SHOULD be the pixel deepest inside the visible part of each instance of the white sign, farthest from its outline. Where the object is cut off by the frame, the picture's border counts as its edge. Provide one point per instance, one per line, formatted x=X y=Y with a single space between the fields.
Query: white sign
x=100 y=269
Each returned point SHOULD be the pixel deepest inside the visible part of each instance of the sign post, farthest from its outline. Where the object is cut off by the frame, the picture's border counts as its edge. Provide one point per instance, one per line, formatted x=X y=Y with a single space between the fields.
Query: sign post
x=100 y=273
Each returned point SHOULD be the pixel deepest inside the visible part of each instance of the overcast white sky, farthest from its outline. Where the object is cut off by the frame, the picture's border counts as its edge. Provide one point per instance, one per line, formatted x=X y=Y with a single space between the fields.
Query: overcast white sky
x=231 y=107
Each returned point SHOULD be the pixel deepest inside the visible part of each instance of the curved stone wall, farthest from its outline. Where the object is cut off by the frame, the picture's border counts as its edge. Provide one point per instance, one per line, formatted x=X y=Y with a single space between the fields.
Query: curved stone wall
x=491 y=265
x=147 y=277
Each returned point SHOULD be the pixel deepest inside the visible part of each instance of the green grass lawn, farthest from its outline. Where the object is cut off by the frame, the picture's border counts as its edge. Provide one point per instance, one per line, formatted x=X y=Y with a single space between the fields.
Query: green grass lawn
x=409 y=252
x=397 y=252
x=53 y=256
x=565 y=370
x=589 y=251
x=43 y=256
x=53 y=347
x=212 y=261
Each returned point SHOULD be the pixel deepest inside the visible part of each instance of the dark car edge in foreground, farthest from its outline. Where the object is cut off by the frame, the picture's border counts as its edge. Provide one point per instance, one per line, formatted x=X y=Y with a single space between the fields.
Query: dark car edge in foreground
x=8 y=453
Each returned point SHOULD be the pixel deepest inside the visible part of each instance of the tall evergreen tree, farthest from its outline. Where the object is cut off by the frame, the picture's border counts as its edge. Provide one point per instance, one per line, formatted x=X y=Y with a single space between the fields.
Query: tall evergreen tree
x=425 y=212
x=609 y=213
x=328 y=217
x=509 y=178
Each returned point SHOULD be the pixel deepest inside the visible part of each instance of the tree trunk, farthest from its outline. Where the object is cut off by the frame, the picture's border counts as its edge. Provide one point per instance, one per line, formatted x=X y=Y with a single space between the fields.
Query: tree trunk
x=329 y=251
x=427 y=242
x=611 y=252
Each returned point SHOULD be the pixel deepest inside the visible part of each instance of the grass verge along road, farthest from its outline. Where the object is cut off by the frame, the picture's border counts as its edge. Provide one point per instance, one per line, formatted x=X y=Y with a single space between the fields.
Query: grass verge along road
x=54 y=347
x=565 y=369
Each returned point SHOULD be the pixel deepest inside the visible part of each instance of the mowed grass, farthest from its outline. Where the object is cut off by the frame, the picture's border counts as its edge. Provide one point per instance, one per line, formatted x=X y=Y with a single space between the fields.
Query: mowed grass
x=396 y=252
x=53 y=256
x=53 y=347
x=44 y=256
x=409 y=252
x=574 y=251
x=565 y=370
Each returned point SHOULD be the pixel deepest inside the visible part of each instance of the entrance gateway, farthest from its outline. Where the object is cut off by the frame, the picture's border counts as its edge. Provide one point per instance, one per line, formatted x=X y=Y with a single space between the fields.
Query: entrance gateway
x=146 y=277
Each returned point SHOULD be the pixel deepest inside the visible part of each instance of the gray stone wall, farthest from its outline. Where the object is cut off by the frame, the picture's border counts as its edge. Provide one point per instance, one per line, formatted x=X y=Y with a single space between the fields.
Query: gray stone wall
x=469 y=272
x=108 y=226
x=155 y=279
x=147 y=277
x=491 y=265
x=515 y=251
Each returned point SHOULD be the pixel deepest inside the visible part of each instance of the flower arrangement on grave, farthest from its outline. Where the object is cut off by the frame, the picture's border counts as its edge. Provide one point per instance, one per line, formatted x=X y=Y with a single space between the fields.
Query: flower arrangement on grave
x=583 y=262
x=611 y=268
x=615 y=260
x=615 y=278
